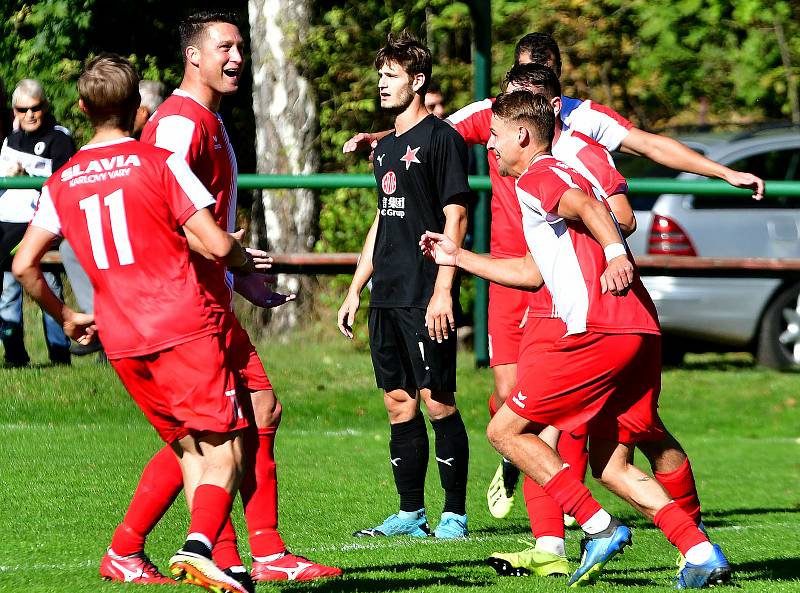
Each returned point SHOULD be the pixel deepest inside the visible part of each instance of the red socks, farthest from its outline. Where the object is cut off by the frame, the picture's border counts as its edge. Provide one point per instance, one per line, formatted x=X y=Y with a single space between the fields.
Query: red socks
x=572 y=496
x=572 y=449
x=259 y=491
x=682 y=489
x=679 y=528
x=211 y=508
x=160 y=483
x=226 y=550
x=544 y=513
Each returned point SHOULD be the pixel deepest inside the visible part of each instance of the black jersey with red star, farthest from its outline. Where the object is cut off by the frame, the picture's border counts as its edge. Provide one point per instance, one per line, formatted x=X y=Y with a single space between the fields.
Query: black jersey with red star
x=419 y=173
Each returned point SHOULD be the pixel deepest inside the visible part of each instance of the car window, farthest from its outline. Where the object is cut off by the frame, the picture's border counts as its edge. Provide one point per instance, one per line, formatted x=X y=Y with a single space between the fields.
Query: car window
x=634 y=167
x=776 y=165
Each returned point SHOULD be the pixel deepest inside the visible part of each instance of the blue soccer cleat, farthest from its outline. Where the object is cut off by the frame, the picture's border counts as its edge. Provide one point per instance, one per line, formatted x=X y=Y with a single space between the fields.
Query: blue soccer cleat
x=681 y=561
x=452 y=526
x=714 y=571
x=597 y=550
x=413 y=523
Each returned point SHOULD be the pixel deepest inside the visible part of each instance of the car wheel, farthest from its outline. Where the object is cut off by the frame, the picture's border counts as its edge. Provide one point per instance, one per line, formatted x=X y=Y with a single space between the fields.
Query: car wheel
x=779 y=335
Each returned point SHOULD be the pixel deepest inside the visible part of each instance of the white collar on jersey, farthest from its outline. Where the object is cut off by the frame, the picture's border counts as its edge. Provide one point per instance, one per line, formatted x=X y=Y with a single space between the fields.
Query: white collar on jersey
x=106 y=143
x=182 y=93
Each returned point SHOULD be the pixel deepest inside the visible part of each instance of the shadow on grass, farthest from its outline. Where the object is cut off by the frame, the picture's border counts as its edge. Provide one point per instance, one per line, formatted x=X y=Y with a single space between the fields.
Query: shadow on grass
x=515 y=528
x=422 y=565
x=775 y=569
x=393 y=577
x=716 y=363
x=711 y=519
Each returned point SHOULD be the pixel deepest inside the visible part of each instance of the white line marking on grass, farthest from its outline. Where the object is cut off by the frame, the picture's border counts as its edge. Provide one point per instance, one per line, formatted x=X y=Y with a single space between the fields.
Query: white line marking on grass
x=35 y=567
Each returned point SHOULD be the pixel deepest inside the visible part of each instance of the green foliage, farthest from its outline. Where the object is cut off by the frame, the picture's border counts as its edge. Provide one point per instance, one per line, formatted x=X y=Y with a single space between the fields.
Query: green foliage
x=45 y=40
x=50 y=39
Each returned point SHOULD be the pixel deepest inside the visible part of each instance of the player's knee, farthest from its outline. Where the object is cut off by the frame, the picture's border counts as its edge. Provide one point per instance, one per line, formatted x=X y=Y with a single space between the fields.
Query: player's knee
x=496 y=435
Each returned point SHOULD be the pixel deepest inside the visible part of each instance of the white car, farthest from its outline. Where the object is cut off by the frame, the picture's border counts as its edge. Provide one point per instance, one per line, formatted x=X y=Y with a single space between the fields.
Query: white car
x=728 y=311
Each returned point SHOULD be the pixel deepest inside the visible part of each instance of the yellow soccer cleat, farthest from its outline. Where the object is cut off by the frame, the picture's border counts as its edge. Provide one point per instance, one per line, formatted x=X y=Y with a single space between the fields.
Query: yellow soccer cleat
x=528 y=562
x=499 y=502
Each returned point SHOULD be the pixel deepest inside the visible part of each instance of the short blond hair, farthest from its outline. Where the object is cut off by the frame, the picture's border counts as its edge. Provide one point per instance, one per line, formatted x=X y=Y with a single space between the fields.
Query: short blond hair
x=109 y=88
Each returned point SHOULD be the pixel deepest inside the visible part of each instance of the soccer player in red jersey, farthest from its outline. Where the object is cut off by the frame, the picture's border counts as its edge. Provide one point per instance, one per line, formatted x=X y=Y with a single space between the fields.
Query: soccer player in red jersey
x=604 y=372
x=118 y=202
x=187 y=124
x=668 y=460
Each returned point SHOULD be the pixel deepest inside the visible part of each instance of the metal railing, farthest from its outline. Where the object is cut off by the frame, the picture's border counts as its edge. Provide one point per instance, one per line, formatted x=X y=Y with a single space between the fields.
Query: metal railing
x=477 y=182
x=333 y=263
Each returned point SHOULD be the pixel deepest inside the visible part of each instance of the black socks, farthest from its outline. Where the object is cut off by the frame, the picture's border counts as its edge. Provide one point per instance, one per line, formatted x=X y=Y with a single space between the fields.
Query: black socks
x=452 y=457
x=408 y=454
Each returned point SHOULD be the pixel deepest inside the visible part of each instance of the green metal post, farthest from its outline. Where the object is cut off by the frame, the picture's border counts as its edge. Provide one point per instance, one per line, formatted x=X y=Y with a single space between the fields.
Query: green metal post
x=482 y=68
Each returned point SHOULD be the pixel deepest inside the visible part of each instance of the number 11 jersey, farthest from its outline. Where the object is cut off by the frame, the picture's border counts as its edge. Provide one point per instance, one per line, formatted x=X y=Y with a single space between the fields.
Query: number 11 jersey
x=121 y=205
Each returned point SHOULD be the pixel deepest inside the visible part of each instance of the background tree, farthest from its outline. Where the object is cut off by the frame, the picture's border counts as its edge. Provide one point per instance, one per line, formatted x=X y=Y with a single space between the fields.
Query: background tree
x=286 y=129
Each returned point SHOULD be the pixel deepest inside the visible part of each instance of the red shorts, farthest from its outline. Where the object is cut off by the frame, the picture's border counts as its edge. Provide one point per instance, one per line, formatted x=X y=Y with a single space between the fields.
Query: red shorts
x=610 y=382
x=184 y=389
x=506 y=310
x=242 y=356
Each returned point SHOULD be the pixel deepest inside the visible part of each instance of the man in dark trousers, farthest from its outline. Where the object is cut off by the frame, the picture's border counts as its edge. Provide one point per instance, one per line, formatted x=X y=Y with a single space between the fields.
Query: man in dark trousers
x=36 y=148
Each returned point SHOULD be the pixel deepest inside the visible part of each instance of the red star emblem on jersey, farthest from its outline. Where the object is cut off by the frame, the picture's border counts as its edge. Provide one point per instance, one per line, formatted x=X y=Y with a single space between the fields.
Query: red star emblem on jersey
x=410 y=156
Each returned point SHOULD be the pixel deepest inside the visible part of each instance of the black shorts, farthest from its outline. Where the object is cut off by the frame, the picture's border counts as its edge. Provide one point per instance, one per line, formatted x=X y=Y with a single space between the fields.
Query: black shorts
x=405 y=357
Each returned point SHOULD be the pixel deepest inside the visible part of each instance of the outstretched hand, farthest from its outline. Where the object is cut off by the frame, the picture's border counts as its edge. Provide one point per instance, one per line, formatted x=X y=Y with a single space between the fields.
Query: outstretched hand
x=255 y=288
x=440 y=248
x=360 y=141
x=747 y=180
x=261 y=261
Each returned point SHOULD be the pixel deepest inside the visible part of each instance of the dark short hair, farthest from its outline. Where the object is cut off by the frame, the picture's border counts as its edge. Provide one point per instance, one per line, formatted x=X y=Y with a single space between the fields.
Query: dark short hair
x=410 y=53
x=533 y=111
x=109 y=88
x=542 y=49
x=193 y=26
x=534 y=76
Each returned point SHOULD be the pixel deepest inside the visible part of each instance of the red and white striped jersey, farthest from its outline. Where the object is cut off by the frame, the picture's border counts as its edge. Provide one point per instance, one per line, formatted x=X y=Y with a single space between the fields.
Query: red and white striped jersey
x=571 y=260
x=602 y=124
x=187 y=128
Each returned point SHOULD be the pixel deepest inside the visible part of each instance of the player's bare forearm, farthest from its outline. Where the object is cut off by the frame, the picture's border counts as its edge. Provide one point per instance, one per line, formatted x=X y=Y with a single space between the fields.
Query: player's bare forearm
x=623 y=212
x=516 y=272
x=27 y=270
x=455 y=228
x=196 y=244
x=364 y=268
x=670 y=153
x=676 y=155
x=576 y=205
x=364 y=140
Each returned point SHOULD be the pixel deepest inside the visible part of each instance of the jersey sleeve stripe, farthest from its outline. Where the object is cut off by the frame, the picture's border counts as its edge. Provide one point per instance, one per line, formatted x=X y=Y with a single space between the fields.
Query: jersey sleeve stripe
x=175 y=132
x=189 y=183
x=469 y=110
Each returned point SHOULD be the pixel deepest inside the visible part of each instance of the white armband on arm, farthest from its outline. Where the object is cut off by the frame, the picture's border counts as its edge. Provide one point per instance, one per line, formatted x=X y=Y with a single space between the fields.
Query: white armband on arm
x=614 y=250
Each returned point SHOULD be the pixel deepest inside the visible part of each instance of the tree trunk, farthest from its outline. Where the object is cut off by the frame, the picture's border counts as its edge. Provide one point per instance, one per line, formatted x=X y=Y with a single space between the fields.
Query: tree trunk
x=283 y=221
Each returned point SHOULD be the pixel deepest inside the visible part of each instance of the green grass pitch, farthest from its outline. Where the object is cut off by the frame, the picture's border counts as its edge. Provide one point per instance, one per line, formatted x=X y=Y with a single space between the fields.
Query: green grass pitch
x=74 y=444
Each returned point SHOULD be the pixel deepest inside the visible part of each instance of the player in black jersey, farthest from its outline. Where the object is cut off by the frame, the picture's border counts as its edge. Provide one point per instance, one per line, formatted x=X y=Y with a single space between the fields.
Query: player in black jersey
x=421 y=170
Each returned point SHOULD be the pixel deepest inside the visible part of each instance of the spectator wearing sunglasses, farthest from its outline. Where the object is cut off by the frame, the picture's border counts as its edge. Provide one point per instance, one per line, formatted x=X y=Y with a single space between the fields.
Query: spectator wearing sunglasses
x=36 y=147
